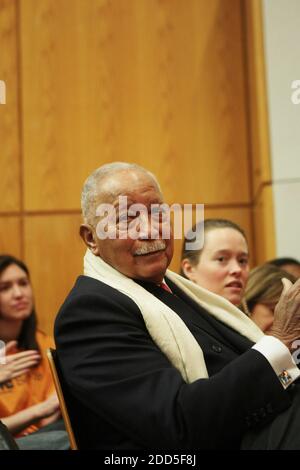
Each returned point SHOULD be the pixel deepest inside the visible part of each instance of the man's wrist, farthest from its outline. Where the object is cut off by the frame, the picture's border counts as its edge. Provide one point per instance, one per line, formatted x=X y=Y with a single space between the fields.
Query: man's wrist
x=279 y=357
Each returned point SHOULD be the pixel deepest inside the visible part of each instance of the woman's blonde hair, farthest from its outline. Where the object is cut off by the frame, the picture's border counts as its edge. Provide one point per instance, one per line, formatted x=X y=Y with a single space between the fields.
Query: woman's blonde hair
x=264 y=286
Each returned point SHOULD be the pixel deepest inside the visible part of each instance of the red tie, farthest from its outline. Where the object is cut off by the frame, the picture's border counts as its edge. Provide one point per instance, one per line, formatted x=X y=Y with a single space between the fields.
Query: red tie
x=165 y=287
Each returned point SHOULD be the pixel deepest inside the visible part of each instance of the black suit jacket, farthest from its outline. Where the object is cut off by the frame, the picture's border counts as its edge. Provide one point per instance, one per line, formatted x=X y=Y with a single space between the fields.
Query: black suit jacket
x=125 y=394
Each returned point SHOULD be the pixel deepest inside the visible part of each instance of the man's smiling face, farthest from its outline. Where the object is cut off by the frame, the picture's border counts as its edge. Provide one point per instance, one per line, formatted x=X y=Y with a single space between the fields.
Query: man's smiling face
x=142 y=258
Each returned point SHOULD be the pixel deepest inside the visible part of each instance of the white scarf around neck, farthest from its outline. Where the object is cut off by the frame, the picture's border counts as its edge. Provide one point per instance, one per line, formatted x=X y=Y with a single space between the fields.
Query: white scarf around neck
x=165 y=327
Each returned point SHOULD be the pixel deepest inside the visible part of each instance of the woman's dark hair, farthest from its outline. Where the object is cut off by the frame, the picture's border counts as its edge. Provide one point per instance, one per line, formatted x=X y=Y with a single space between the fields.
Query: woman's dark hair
x=27 y=337
x=283 y=261
x=209 y=224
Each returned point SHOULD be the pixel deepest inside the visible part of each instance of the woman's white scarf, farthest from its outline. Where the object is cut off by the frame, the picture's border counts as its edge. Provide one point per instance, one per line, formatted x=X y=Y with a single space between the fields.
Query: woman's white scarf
x=165 y=327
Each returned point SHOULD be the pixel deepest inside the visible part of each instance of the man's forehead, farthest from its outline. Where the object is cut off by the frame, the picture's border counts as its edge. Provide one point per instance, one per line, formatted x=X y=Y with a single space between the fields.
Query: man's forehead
x=131 y=184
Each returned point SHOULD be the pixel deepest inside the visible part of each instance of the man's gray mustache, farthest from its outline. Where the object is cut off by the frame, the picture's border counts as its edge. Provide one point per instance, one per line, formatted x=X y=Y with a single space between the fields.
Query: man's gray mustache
x=150 y=247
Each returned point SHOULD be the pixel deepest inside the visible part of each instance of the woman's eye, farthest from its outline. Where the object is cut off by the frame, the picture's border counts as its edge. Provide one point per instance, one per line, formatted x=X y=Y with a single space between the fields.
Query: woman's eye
x=244 y=261
x=4 y=287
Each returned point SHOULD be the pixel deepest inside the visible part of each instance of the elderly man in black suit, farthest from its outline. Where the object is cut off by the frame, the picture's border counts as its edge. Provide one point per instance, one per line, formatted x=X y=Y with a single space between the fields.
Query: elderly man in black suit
x=153 y=361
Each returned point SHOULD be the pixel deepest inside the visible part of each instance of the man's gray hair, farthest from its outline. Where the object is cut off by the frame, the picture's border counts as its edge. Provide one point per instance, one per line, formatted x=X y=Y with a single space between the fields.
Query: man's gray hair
x=92 y=186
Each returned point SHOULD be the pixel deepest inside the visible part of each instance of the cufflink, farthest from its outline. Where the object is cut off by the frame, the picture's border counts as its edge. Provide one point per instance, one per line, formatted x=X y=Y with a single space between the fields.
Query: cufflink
x=285 y=378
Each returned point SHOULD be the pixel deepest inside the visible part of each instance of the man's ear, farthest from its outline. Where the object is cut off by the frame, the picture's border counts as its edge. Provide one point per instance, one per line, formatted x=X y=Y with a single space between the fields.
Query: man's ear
x=88 y=235
x=188 y=269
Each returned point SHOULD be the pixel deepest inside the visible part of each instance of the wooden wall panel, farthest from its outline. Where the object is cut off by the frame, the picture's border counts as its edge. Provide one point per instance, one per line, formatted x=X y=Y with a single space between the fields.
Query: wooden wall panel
x=210 y=119
x=9 y=112
x=156 y=82
x=10 y=235
x=240 y=215
x=259 y=139
x=258 y=107
x=264 y=227
x=53 y=252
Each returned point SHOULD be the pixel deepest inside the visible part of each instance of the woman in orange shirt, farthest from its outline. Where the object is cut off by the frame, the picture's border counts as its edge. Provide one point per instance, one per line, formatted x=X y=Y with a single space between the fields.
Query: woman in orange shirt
x=28 y=401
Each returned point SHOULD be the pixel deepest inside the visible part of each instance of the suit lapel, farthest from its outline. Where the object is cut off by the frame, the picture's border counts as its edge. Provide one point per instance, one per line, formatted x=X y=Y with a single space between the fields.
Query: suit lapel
x=203 y=320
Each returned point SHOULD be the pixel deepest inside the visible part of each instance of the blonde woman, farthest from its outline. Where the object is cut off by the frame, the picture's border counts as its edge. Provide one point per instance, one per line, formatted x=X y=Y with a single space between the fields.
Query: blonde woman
x=262 y=293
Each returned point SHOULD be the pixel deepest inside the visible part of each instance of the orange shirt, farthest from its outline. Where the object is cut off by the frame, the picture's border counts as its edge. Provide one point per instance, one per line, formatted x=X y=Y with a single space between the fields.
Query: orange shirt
x=30 y=388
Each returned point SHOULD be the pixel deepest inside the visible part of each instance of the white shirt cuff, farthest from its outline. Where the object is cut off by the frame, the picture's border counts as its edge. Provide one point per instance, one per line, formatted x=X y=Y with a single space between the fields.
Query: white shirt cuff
x=280 y=358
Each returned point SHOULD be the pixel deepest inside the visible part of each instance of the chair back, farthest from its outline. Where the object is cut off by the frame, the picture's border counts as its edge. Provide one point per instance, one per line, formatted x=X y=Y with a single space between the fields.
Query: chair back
x=58 y=382
x=7 y=442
